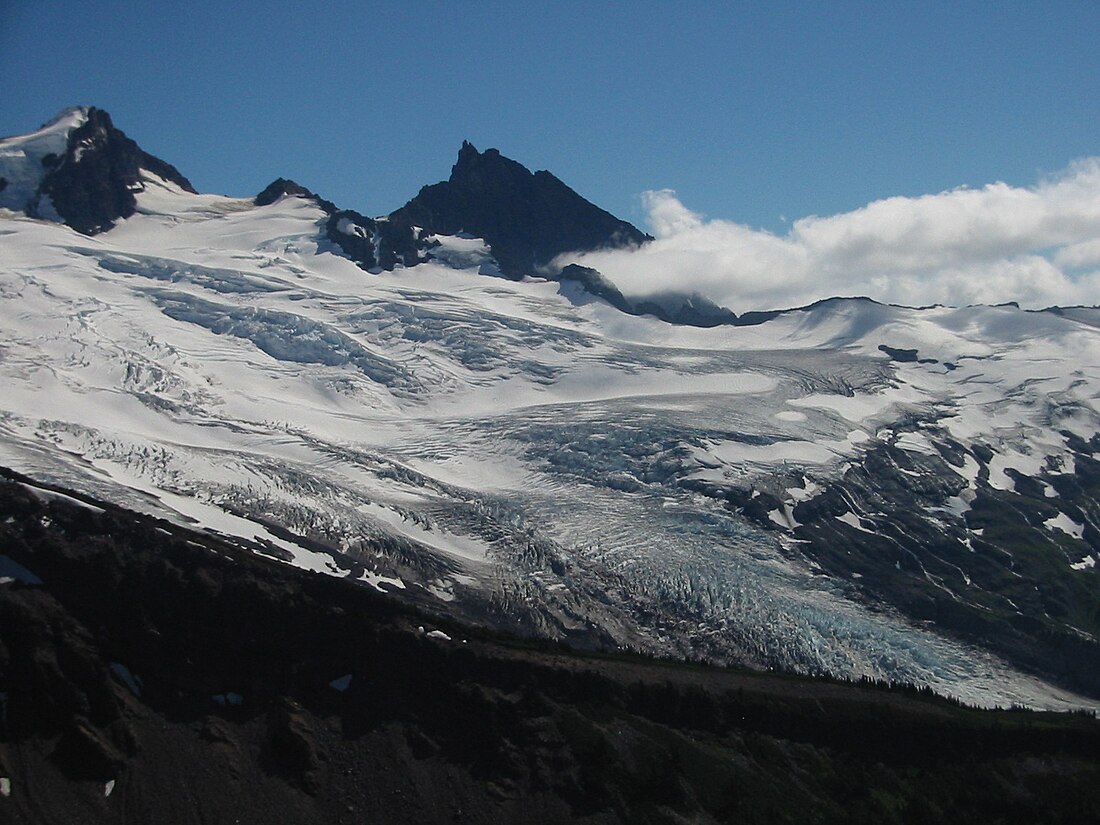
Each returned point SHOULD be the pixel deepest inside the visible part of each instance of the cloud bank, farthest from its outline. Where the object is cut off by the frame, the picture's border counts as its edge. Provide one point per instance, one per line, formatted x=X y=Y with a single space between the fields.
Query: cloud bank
x=1038 y=245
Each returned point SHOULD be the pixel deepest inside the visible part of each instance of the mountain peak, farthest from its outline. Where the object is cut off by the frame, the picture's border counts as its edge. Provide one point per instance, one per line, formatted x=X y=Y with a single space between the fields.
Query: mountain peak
x=78 y=169
x=528 y=219
x=26 y=159
x=485 y=170
x=67 y=119
x=280 y=187
x=467 y=154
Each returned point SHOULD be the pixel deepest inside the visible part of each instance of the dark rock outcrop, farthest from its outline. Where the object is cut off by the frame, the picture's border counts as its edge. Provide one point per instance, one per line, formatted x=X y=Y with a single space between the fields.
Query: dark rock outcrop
x=281 y=187
x=92 y=186
x=528 y=219
x=594 y=283
x=675 y=308
x=692 y=310
x=373 y=243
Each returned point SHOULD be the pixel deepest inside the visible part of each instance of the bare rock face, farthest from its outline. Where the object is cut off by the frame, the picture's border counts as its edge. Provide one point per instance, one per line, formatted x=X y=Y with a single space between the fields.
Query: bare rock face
x=528 y=219
x=92 y=185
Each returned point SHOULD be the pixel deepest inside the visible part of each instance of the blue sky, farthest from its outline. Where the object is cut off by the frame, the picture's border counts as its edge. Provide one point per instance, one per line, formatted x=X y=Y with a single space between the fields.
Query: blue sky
x=749 y=111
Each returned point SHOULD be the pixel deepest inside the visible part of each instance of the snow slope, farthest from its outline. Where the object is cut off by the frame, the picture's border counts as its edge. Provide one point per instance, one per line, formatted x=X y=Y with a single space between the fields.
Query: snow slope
x=24 y=158
x=503 y=450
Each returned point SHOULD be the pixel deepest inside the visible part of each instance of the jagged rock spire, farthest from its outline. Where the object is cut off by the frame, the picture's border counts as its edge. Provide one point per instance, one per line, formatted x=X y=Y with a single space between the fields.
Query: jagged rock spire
x=528 y=219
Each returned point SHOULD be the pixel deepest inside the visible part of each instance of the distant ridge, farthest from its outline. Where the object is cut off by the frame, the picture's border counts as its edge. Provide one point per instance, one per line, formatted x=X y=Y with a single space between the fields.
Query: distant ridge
x=80 y=170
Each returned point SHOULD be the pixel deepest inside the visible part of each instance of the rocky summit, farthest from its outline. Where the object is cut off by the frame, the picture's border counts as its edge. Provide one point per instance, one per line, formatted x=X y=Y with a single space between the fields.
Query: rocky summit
x=90 y=178
x=526 y=218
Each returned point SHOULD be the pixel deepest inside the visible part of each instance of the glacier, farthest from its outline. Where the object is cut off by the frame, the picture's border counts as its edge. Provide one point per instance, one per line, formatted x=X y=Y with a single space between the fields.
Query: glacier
x=516 y=453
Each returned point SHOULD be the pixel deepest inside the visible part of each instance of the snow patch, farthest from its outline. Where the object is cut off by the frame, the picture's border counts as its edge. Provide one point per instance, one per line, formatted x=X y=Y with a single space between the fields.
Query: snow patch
x=123 y=674
x=346 y=226
x=49 y=495
x=784 y=517
x=342 y=683
x=1024 y=463
x=801 y=494
x=969 y=470
x=376 y=580
x=21 y=157
x=793 y=452
x=1066 y=525
x=915 y=442
x=13 y=571
x=855 y=409
x=463 y=253
x=852 y=520
x=444 y=541
x=959 y=505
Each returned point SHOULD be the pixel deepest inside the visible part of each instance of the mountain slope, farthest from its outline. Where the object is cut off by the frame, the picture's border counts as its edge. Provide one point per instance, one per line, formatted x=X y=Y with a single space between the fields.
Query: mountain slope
x=846 y=489
x=155 y=673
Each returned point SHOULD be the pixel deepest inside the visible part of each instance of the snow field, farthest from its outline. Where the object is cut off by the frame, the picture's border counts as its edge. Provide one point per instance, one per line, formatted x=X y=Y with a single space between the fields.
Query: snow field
x=212 y=361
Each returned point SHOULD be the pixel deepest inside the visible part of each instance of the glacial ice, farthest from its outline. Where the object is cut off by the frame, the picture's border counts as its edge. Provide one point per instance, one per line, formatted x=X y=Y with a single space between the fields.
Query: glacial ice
x=488 y=443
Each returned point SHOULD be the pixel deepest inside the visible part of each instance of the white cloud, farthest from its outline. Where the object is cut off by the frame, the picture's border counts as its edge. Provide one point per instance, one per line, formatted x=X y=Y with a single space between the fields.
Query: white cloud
x=989 y=245
x=667 y=216
x=1086 y=253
